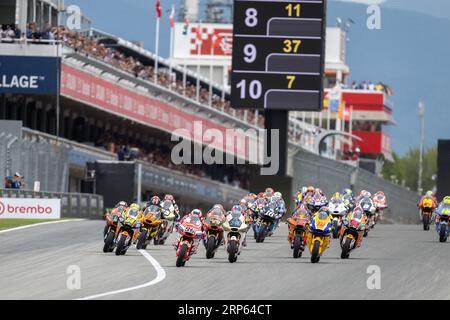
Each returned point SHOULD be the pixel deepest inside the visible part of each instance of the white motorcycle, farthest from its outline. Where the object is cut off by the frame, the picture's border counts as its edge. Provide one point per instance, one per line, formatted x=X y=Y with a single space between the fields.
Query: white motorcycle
x=236 y=230
x=168 y=216
x=338 y=210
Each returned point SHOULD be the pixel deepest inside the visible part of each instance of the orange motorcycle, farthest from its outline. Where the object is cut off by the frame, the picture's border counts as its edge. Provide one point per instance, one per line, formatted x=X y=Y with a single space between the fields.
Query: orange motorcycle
x=298 y=232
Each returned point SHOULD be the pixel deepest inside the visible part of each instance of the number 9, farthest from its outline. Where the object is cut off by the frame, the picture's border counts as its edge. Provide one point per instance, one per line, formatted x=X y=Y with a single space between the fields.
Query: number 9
x=250 y=53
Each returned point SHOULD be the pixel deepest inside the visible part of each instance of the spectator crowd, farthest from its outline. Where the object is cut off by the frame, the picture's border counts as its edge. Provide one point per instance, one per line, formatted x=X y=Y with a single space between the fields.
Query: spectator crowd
x=371 y=86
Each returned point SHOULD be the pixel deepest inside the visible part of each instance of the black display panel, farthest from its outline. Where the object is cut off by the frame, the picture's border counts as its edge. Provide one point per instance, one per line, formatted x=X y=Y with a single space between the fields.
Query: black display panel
x=278 y=55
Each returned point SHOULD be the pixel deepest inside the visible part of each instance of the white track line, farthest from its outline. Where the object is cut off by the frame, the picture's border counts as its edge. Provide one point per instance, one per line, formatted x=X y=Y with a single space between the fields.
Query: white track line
x=39 y=224
x=160 y=276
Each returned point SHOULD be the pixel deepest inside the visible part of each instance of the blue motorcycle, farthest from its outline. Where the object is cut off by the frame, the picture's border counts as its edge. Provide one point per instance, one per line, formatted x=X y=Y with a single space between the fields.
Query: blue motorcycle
x=267 y=218
x=442 y=227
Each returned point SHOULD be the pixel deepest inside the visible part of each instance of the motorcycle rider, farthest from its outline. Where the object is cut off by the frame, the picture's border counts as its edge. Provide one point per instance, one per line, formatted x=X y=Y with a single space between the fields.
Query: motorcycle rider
x=237 y=209
x=195 y=217
x=428 y=194
x=169 y=197
x=217 y=211
x=444 y=205
x=280 y=206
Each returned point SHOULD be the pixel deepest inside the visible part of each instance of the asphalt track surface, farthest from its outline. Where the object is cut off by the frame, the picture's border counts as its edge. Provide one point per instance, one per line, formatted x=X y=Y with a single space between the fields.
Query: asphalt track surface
x=34 y=264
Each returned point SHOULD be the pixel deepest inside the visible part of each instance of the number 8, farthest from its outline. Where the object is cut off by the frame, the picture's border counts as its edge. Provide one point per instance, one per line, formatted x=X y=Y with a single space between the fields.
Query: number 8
x=251 y=20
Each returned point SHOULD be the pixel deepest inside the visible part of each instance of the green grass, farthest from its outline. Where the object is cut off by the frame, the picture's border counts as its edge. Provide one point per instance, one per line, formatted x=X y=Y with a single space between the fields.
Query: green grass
x=13 y=223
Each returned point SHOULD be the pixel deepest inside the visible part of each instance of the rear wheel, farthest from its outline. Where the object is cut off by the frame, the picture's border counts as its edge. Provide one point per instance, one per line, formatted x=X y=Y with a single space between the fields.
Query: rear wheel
x=121 y=245
x=346 y=248
x=108 y=242
x=180 y=259
x=443 y=233
x=141 y=239
x=315 y=252
x=232 y=251
x=297 y=247
x=210 y=247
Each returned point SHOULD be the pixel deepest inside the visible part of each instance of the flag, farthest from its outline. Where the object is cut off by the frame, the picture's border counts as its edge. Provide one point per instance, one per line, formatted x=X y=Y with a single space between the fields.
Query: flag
x=198 y=33
x=171 y=17
x=158 y=8
x=186 y=26
x=215 y=40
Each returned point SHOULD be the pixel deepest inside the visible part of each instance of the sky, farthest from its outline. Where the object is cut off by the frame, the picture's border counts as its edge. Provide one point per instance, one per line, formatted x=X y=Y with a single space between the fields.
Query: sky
x=420 y=70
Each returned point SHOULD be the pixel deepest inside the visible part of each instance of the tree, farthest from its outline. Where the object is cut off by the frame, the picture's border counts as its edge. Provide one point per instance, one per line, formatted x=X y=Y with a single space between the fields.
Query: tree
x=406 y=169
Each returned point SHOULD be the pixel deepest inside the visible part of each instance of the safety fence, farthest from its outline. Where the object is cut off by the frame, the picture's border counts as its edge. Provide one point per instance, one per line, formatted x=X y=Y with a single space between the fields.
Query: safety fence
x=332 y=176
x=36 y=160
x=73 y=205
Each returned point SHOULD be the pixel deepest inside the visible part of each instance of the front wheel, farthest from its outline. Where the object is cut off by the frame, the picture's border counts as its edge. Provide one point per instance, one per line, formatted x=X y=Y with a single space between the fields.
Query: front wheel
x=121 y=245
x=336 y=230
x=443 y=233
x=180 y=259
x=426 y=222
x=315 y=252
x=346 y=248
x=297 y=247
x=232 y=251
x=261 y=235
x=210 y=247
x=108 y=242
x=141 y=239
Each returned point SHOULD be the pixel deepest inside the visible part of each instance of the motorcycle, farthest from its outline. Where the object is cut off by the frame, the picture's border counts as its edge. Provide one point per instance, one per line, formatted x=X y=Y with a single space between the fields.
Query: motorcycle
x=167 y=225
x=126 y=233
x=380 y=203
x=151 y=223
x=338 y=210
x=427 y=212
x=369 y=210
x=442 y=225
x=256 y=208
x=266 y=222
x=109 y=234
x=319 y=235
x=190 y=230
x=298 y=231
x=236 y=229
x=214 y=227
x=352 y=232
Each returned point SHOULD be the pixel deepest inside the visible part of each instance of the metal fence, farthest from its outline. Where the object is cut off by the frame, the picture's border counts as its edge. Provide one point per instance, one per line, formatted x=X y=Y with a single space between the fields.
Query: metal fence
x=36 y=160
x=332 y=176
x=73 y=205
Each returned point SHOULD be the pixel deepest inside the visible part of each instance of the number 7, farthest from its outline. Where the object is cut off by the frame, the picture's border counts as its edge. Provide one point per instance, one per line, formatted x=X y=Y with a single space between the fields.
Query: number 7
x=290 y=80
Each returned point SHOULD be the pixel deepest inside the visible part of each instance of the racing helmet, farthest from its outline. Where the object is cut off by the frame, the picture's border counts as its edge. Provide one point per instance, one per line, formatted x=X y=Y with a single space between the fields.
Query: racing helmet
x=236 y=209
x=155 y=200
x=446 y=200
x=278 y=195
x=168 y=197
x=261 y=195
x=121 y=204
x=430 y=194
x=243 y=202
x=310 y=189
x=269 y=191
x=135 y=206
x=218 y=206
x=196 y=212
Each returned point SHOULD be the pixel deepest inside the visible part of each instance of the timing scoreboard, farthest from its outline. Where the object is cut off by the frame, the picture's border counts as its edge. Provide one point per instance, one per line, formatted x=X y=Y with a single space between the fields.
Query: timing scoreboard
x=278 y=54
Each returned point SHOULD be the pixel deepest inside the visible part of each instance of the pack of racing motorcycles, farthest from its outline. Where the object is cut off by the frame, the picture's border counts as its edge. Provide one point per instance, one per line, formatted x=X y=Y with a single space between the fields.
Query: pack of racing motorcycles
x=312 y=224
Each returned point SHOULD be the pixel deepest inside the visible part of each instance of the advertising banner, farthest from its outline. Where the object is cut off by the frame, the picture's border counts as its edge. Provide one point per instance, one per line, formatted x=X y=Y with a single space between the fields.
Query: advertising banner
x=29 y=75
x=19 y=208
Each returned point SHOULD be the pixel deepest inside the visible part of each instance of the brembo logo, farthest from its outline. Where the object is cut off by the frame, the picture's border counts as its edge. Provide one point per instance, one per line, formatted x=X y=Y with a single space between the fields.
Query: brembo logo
x=30 y=209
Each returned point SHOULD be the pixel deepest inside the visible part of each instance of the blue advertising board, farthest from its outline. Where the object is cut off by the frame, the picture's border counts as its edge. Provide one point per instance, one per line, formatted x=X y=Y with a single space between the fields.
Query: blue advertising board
x=29 y=75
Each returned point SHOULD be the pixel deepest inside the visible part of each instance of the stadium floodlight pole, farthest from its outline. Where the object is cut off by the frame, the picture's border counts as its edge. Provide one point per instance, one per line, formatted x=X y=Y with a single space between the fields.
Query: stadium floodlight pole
x=422 y=136
x=158 y=18
x=171 y=24
x=199 y=50
x=211 y=68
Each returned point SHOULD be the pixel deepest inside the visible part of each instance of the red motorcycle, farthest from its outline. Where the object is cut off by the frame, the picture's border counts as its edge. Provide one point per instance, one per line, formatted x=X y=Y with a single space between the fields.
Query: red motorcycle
x=380 y=202
x=190 y=233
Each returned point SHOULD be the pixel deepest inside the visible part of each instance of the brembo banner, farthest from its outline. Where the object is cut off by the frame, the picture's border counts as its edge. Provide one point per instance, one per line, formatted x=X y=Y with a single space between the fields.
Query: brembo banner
x=19 y=208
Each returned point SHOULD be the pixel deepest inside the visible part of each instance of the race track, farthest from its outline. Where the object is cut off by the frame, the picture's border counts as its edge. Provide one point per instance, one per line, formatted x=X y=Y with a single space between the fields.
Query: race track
x=34 y=263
